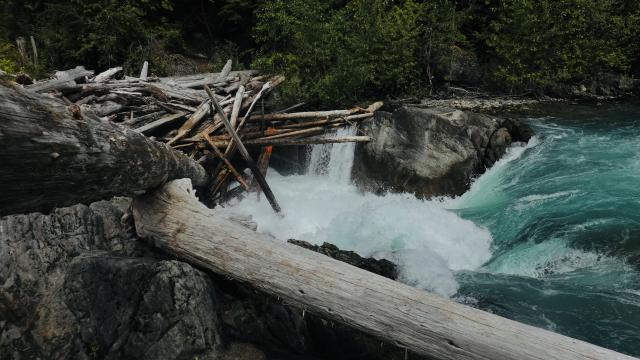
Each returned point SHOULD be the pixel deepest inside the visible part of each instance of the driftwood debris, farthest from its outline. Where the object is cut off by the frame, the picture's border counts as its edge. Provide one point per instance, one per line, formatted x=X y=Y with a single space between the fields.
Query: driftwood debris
x=245 y=154
x=421 y=322
x=178 y=112
x=54 y=156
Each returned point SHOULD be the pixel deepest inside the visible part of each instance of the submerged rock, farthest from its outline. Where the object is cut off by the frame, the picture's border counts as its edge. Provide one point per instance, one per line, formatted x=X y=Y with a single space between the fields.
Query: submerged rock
x=381 y=267
x=432 y=151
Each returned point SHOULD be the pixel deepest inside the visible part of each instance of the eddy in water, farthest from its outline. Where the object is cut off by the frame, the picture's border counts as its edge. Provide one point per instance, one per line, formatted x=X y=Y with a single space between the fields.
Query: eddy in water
x=549 y=236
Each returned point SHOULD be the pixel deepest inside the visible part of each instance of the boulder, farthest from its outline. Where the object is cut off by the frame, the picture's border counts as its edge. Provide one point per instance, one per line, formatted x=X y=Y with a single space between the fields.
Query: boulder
x=381 y=267
x=73 y=285
x=140 y=308
x=431 y=151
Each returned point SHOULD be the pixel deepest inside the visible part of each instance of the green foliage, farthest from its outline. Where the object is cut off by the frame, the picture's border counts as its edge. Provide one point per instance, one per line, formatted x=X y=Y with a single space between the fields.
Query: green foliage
x=337 y=51
x=340 y=53
x=536 y=44
x=102 y=33
x=9 y=60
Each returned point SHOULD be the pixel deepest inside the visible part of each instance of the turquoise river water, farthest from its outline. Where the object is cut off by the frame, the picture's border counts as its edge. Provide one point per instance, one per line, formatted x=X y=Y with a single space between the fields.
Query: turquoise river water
x=550 y=236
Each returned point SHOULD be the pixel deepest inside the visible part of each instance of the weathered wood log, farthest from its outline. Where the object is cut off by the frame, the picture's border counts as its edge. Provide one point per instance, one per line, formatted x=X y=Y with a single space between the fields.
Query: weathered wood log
x=194 y=119
x=225 y=71
x=421 y=322
x=145 y=71
x=52 y=156
x=64 y=80
x=297 y=142
x=107 y=74
x=341 y=120
x=305 y=115
x=160 y=122
x=230 y=166
x=104 y=108
x=237 y=104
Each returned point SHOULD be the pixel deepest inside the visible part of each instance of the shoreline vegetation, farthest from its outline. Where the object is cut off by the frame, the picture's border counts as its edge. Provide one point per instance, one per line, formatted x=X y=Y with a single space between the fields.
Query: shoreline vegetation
x=340 y=52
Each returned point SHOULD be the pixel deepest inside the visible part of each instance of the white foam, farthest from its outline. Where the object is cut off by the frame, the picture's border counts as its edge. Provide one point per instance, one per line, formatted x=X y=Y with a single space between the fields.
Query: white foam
x=426 y=240
x=550 y=258
x=485 y=189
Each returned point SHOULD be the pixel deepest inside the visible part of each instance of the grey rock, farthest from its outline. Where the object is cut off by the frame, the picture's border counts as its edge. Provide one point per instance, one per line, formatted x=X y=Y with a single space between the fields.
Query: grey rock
x=141 y=308
x=382 y=267
x=71 y=288
x=431 y=151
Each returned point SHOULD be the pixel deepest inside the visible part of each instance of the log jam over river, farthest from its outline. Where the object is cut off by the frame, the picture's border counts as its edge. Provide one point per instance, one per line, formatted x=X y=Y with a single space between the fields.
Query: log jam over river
x=549 y=236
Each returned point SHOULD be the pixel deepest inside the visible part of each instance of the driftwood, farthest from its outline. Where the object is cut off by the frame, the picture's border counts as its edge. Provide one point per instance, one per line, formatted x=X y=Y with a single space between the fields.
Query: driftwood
x=304 y=115
x=145 y=71
x=231 y=168
x=298 y=142
x=421 y=322
x=203 y=110
x=177 y=111
x=52 y=156
x=245 y=154
x=160 y=122
x=64 y=80
x=107 y=74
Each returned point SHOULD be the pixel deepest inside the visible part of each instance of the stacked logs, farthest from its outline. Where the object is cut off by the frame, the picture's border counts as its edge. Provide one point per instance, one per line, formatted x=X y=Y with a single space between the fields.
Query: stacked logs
x=186 y=112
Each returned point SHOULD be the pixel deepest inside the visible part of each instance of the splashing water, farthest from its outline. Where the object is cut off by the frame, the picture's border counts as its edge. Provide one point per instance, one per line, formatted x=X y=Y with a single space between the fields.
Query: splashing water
x=549 y=236
x=427 y=241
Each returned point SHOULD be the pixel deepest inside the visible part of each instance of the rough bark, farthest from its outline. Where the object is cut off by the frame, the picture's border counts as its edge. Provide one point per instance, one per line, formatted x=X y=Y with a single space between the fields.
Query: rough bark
x=52 y=156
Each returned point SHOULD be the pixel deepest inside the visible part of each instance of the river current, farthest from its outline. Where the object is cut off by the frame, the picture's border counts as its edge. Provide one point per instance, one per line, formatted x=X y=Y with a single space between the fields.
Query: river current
x=549 y=236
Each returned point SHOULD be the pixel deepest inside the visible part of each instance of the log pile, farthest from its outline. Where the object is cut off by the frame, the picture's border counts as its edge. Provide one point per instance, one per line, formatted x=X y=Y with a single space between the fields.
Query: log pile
x=188 y=113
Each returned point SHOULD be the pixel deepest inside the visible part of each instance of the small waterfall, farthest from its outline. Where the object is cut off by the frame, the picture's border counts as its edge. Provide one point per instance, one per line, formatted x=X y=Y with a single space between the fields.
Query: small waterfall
x=428 y=242
x=334 y=160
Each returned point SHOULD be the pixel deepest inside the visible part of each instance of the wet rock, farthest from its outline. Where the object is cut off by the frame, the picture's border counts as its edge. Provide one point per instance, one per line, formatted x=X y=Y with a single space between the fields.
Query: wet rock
x=498 y=144
x=381 y=267
x=431 y=151
x=140 y=308
x=73 y=286
x=518 y=131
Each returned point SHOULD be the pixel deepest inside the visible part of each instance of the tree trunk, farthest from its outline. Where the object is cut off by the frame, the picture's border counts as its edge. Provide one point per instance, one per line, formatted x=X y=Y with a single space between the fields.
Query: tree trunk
x=53 y=157
x=423 y=323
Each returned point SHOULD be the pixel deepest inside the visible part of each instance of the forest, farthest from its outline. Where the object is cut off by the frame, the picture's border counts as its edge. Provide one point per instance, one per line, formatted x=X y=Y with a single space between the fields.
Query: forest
x=336 y=51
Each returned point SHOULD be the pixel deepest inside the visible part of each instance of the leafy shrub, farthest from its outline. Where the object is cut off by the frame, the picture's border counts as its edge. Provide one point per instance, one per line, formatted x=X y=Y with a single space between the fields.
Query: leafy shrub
x=338 y=54
x=535 y=44
x=9 y=61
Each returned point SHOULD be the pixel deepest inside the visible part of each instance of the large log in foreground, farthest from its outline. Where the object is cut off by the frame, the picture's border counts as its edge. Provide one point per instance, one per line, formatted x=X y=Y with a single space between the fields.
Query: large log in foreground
x=51 y=156
x=421 y=322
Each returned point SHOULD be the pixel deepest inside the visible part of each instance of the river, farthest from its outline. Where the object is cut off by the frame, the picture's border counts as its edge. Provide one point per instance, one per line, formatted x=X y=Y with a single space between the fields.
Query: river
x=549 y=236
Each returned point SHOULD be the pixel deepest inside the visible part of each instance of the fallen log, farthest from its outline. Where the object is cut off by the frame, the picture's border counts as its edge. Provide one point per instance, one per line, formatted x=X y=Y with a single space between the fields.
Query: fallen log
x=419 y=321
x=297 y=142
x=304 y=115
x=160 y=122
x=64 y=79
x=52 y=156
x=107 y=74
